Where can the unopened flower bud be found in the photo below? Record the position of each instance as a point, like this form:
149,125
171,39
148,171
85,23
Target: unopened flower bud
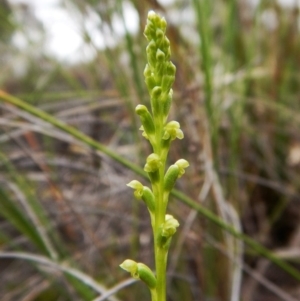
170,178
171,69
147,71
146,275
146,119
159,35
160,56
167,82
167,103
149,199
163,24
149,78
151,53
152,16
156,92
153,163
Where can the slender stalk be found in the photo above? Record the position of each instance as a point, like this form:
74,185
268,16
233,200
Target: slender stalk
160,256
161,265
154,295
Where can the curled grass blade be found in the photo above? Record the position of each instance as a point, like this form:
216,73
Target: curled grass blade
16,217
34,211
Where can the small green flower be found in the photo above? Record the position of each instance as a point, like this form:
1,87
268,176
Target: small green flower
138,188
131,267
182,164
173,131
166,231
153,163
170,226
139,271
144,193
149,78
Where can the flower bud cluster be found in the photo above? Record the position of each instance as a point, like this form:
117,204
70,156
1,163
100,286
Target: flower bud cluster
160,71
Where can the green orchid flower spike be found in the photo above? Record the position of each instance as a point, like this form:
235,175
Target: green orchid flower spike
159,77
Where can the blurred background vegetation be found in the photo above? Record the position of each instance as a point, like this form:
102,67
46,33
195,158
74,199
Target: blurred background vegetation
67,219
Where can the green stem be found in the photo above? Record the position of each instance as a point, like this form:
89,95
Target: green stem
153,295
160,254
161,266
